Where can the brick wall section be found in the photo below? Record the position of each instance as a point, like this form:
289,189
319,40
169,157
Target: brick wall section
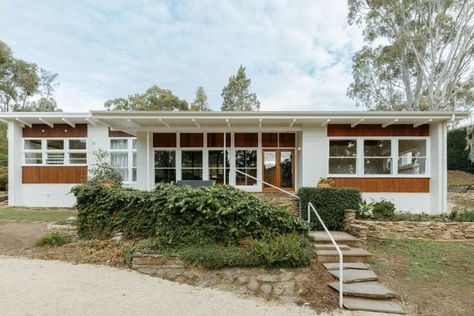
405,229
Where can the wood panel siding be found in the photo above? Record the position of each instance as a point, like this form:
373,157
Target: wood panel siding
246,139
377,130
54,174
217,140
164,140
191,140
420,185
58,130
287,139
270,140
119,134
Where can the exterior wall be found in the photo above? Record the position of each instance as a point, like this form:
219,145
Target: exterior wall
314,153
407,202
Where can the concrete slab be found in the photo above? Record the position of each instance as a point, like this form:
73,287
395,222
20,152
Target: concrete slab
346,265
338,236
354,275
330,247
368,305
365,289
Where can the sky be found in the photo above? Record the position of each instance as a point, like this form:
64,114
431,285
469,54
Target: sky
298,54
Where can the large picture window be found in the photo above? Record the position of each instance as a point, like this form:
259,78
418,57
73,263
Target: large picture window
411,156
246,162
377,156
165,166
191,165
342,156
216,166
55,151
123,156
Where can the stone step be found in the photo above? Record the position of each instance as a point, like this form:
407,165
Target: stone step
366,290
354,275
346,265
351,255
340,238
368,305
330,247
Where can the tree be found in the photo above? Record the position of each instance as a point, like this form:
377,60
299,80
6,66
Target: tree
154,99
237,95
425,59
200,101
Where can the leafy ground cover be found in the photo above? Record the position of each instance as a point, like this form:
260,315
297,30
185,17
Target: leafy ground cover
33,214
52,240
435,277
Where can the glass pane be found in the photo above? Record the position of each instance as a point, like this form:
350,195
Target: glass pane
134,143
134,174
119,160
377,148
33,144
55,159
77,158
342,165
246,158
134,161
33,158
165,175
218,175
412,166
77,144
118,144
241,179
408,148
190,159
286,169
124,173
216,159
269,165
191,174
55,144
377,165
165,159
342,148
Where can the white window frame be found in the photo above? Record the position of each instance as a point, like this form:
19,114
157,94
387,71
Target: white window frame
258,150
130,151
173,149
227,168
394,149
345,157
204,165
44,151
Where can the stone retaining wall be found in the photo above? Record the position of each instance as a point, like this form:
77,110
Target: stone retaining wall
406,229
280,199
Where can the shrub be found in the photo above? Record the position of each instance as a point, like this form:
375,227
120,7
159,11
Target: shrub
330,203
459,214
53,239
458,156
383,209
103,170
3,180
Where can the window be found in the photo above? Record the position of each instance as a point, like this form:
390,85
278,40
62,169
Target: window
77,151
33,151
216,166
411,156
165,166
123,156
377,156
246,162
55,151
342,156
191,165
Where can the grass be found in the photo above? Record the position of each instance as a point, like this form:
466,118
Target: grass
460,178
53,239
44,214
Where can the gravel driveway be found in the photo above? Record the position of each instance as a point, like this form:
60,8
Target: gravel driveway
37,287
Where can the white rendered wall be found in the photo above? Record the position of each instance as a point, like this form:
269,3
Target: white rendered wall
14,163
406,202
45,195
314,154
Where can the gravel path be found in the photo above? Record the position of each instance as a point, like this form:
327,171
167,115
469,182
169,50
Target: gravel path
37,287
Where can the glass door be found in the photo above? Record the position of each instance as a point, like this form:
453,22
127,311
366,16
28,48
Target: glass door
278,169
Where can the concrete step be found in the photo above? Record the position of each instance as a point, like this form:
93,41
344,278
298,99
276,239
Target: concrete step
322,237
368,305
354,275
351,255
330,247
365,289
346,265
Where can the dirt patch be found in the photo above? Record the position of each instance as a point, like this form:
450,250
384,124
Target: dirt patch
16,236
460,177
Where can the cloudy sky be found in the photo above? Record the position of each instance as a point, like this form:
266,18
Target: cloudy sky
297,53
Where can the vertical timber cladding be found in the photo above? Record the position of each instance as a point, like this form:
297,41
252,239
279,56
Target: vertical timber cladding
58,130
381,184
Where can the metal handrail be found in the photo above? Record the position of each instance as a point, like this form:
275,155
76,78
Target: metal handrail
339,252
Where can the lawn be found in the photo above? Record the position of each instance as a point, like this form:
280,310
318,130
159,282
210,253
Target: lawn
422,270
29,214
460,178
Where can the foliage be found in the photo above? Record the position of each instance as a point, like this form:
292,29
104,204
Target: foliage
458,156
200,102
102,170
418,55
326,181
3,180
237,95
53,239
179,216
459,214
383,209
330,203
365,209
286,251
154,99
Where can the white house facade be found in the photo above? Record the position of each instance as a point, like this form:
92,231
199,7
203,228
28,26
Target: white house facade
396,156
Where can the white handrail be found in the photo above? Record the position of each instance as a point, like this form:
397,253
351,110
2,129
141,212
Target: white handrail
266,183
339,252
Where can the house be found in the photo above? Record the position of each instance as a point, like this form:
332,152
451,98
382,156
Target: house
397,156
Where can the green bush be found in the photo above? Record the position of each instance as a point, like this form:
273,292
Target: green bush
458,156
273,252
179,216
383,209
3,180
53,239
330,203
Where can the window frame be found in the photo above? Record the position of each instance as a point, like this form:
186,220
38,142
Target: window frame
394,156
45,151
356,157
257,150
226,167
203,161
175,168
130,151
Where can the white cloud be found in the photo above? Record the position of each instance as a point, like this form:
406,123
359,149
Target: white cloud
297,53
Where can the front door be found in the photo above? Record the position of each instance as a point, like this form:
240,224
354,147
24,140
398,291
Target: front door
278,169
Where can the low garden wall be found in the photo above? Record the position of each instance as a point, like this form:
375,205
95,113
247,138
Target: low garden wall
405,229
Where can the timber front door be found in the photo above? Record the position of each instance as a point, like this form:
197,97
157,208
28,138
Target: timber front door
278,169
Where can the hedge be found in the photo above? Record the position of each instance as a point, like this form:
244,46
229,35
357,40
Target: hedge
3,180
458,156
179,216
330,204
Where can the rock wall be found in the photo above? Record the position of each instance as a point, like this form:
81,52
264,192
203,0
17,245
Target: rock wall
280,199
